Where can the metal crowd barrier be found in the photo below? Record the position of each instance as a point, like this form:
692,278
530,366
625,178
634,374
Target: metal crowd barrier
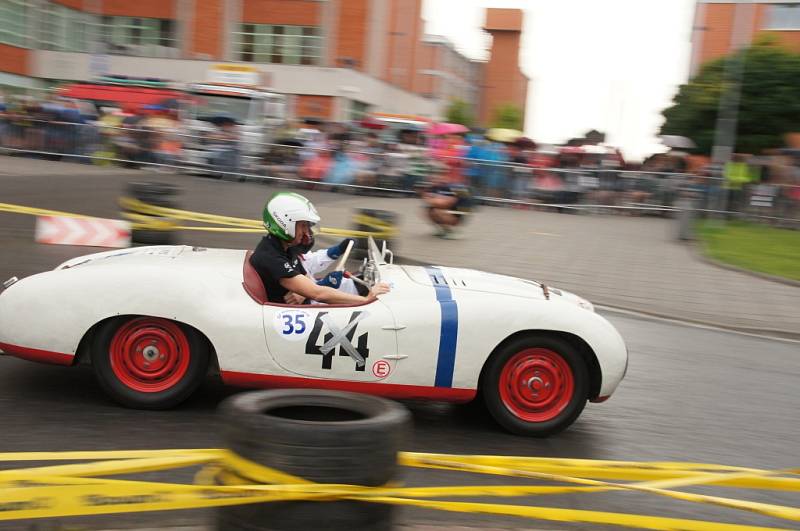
400,172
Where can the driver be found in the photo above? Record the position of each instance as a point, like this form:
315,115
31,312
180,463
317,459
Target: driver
289,218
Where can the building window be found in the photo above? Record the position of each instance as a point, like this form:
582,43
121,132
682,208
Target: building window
13,22
281,44
144,37
783,17
70,30
65,29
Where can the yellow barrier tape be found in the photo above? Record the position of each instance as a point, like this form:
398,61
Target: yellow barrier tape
148,496
762,508
577,515
139,209
19,209
150,217
67,490
611,470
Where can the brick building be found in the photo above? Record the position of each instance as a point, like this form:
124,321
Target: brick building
722,26
336,58
504,82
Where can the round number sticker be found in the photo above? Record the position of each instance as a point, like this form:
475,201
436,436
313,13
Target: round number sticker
293,325
381,369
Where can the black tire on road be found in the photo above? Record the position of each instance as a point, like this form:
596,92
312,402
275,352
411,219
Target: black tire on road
536,385
321,436
149,362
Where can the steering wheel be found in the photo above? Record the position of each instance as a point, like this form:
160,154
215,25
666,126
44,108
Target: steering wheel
339,266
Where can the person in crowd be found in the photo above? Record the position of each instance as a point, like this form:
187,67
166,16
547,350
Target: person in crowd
477,168
290,219
417,160
226,151
343,166
520,171
166,127
451,153
496,169
737,173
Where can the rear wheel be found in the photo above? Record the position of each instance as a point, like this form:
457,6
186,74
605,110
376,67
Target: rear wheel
536,385
149,362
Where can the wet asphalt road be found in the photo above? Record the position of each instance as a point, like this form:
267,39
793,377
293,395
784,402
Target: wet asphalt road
690,395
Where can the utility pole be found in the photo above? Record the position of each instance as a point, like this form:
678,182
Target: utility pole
728,111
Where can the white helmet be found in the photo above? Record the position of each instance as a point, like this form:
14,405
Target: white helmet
284,210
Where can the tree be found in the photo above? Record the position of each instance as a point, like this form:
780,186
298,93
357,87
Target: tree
507,116
459,112
769,105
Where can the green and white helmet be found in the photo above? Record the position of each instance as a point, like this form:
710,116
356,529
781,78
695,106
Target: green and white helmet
284,210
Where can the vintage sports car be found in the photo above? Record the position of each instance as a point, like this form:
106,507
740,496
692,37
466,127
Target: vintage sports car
154,321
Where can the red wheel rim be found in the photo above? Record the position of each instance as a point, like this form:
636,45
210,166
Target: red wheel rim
536,384
149,354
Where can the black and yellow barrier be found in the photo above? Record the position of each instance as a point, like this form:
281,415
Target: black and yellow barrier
144,216
87,487
152,217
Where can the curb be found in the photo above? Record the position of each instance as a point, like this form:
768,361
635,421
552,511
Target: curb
778,333
770,333
699,254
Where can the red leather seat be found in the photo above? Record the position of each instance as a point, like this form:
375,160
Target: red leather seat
252,281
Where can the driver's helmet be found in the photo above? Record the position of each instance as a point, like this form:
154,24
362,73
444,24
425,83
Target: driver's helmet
284,210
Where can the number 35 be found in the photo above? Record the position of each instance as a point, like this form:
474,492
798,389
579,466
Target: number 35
293,324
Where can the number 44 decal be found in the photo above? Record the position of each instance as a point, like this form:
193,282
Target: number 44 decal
338,337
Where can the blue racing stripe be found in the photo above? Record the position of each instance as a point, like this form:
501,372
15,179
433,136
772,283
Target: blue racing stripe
448,333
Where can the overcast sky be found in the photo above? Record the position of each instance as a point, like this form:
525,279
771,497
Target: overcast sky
610,65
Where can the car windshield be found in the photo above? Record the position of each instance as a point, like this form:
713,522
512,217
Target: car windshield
215,105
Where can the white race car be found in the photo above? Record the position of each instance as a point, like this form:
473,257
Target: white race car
153,321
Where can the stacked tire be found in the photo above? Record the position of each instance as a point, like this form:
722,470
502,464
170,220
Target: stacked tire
159,195
320,436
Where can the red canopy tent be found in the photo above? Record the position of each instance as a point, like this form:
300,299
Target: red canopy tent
121,95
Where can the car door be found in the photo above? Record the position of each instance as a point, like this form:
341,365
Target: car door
355,343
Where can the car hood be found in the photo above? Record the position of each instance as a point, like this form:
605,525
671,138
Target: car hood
460,279
227,262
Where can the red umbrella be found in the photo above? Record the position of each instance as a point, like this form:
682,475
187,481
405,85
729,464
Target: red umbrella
444,128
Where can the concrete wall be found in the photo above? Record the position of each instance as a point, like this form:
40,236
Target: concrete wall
343,83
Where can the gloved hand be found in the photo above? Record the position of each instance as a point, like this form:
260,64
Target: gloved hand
332,279
337,250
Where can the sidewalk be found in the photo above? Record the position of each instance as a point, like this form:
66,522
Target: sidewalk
632,263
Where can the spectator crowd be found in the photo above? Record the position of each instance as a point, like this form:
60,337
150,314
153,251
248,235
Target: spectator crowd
402,157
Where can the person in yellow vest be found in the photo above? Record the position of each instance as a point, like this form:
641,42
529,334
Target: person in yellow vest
737,174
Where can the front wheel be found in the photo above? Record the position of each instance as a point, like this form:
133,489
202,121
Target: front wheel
536,385
149,362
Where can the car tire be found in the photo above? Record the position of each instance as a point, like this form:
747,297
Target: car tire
321,436
149,362
536,385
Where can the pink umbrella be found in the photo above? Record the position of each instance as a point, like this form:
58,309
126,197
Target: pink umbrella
444,128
